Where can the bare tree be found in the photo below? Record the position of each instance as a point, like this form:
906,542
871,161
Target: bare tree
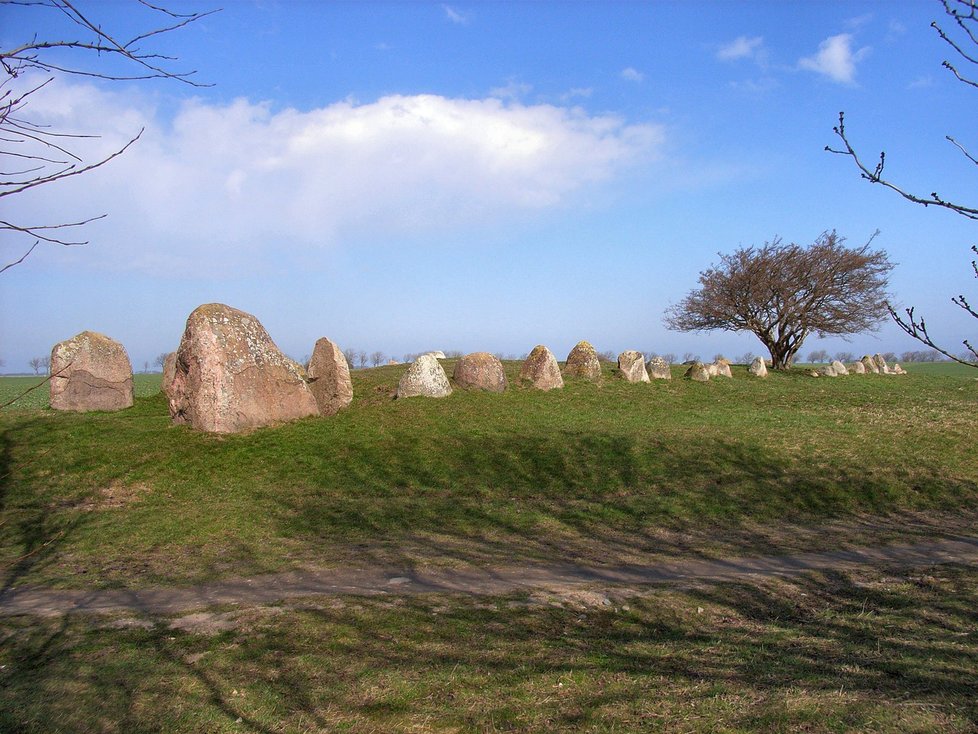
362,359
35,364
844,356
46,364
670,358
351,357
38,155
746,358
378,358
818,356
782,293
161,359
961,36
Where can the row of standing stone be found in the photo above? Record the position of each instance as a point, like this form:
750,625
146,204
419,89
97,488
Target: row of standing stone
228,376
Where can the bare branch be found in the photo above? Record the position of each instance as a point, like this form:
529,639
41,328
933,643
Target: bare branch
18,262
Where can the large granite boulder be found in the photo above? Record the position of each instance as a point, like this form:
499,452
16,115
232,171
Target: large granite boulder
840,369
540,369
631,366
881,364
758,368
169,373
230,376
480,371
329,380
827,370
424,378
658,369
857,368
91,372
698,372
583,362
870,364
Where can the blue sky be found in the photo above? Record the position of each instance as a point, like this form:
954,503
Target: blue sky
488,176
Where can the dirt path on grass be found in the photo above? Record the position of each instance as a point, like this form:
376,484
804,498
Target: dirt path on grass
474,581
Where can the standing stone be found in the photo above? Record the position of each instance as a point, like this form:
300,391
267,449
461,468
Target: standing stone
91,372
169,373
698,372
329,378
840,369
631,364
583,362
231,377
721,368
541,370
870,365
480,371
758,367
425,378
857,368
658,369
881,364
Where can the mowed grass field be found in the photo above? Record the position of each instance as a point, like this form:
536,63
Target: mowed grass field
596,474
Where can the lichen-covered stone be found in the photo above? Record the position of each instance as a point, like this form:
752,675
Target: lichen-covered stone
424,378
721,368
857,368
480,371
758,368
169,373
697,372
540,369
827,370
583,362
897,370
881,364
329,377
91,372
631,366
840,369
231,377
658,369
870,365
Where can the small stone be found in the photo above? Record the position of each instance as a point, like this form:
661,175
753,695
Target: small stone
697,372
583,362
758,368
541,369
424,378
658,369
631,366
90,372
480,371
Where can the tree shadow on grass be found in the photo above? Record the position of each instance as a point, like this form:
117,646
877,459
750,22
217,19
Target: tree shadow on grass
597,496
846,654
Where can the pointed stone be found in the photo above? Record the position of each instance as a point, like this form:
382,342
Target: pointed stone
758,368
870,364
583,362
697,372
424,378
540,370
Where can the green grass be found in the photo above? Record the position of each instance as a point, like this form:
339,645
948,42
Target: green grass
593,473
891,651
605,472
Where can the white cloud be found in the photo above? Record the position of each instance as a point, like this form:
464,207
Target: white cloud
513,90
632,74
455,16
229,185
835,59
741,47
